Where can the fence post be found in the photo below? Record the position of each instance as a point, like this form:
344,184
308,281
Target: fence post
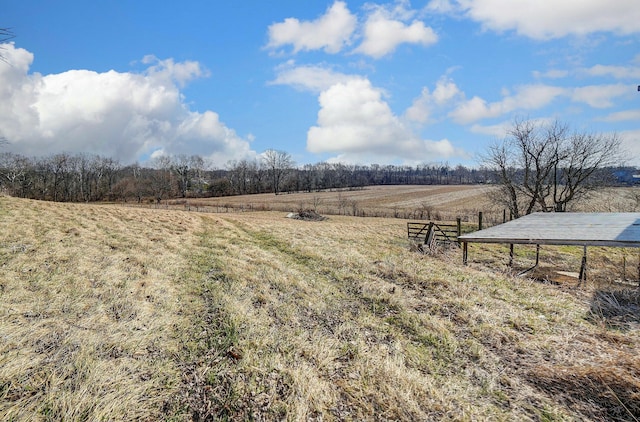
430,233
504,216
458,229
480,220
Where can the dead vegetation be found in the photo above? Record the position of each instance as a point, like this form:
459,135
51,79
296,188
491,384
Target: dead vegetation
306,215
115,313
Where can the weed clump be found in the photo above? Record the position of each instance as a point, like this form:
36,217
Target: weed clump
602,389
306,215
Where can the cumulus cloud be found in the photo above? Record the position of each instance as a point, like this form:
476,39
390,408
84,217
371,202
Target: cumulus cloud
544,20
384,28
331,31
527,97
168,70
356,123
308,78
126,116
534,97
384,31
422,108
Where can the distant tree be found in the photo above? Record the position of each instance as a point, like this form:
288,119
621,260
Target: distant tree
277,163
239,175
197,182
162,183
14,172
545,167
181,166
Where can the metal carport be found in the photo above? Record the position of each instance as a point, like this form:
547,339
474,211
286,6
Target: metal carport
580,229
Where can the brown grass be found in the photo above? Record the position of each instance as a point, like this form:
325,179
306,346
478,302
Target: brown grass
117,313
417,202
425,202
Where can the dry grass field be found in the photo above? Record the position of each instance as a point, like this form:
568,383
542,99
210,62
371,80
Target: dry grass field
116,313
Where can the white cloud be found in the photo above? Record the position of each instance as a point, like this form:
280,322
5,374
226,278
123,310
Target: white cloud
125,116
354,121
618,72
497,131
441,6
546,19
331,31
423,107
527,97
551,74
168,70
308,78
384,29
631,146
599,96
621,116
383,32
534,97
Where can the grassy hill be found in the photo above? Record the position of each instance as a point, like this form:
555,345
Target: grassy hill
111,313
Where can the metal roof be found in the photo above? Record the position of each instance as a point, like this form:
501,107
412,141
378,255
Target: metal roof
585,229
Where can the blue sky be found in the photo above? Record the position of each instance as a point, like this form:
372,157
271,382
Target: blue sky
351,81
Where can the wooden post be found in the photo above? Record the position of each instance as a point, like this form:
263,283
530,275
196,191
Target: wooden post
504,216
458,229
464,253
480,220
511,254
429,237
583,267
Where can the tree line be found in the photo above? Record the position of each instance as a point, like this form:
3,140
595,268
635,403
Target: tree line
87,178
538,167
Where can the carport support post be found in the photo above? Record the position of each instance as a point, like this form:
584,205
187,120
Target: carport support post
583,266
511,254
464,253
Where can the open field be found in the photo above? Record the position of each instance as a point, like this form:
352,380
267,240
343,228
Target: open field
112,313
437,202
433,201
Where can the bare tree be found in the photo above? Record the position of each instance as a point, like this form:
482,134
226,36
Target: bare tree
198,181
277,163
14,172
5,35
162,183
181,166
544,167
